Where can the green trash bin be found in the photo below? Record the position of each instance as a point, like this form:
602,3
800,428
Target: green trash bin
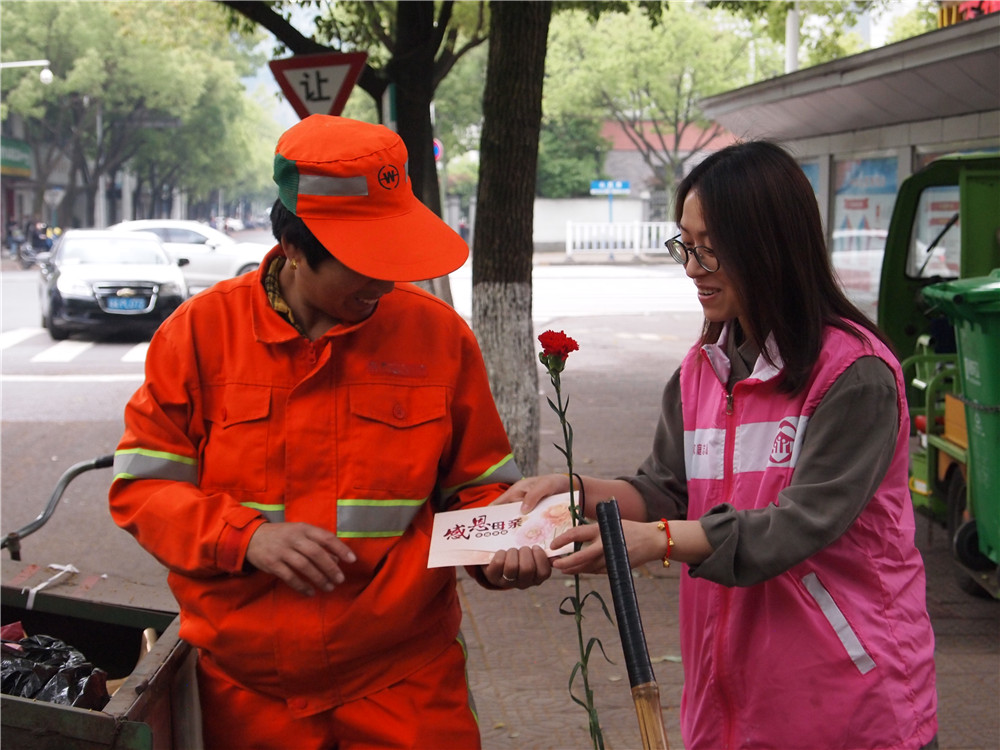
973,307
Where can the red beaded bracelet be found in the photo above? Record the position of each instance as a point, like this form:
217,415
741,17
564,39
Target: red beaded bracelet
663,525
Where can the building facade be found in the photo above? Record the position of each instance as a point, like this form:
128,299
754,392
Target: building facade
862,124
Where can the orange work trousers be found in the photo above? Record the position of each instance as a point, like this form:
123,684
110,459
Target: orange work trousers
428,710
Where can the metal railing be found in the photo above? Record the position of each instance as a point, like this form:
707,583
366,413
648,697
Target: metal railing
624,240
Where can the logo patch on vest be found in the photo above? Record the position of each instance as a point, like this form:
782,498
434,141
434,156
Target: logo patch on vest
784,442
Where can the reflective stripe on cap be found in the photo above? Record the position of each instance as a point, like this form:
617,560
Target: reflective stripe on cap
314,184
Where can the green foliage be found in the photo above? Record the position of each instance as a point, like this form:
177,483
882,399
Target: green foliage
570,154
351,25
652,9
360,106
462,176
831,47
459,74
824,24
161,78
371,25
458,104
413,47
919,20
649,79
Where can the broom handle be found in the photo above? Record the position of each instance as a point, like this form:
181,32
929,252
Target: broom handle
645,692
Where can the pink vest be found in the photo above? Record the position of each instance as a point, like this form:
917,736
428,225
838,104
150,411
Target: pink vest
836,652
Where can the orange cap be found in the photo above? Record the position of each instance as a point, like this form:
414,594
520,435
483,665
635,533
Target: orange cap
348,181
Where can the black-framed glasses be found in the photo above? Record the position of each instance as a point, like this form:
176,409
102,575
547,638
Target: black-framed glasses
704,255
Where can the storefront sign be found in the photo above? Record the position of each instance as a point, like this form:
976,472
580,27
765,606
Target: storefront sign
16,160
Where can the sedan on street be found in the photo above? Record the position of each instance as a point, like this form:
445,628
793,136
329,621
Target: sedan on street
97,281
212,255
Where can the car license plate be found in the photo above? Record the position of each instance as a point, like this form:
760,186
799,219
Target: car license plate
126,303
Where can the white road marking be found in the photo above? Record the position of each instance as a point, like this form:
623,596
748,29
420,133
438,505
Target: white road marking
63,351
137,353
17,335
123,378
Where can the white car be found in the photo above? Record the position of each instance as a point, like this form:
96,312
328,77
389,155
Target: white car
857,260
857,255
212,255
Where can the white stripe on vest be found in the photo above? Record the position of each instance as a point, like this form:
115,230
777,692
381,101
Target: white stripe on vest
845,633
758,446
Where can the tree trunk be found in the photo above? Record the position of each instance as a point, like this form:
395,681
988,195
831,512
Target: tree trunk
70,218
503,249
411,70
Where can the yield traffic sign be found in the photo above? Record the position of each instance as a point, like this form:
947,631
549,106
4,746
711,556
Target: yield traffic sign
318,84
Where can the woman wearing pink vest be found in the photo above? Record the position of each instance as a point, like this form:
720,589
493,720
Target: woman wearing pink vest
778,478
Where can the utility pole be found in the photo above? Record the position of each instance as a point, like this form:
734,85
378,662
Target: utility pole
792,38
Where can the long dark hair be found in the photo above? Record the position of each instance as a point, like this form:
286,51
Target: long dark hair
764,224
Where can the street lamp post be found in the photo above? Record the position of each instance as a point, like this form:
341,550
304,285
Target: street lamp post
45,76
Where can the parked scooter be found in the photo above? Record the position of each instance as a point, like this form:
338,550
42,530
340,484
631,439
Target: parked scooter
39,240
27,254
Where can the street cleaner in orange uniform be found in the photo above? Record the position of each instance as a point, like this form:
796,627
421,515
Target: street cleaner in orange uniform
297,430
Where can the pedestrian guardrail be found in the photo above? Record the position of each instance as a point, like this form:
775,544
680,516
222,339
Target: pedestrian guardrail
622,240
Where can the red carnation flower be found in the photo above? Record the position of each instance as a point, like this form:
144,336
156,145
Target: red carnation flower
558,344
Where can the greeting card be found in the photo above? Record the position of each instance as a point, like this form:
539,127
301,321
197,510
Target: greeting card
471,536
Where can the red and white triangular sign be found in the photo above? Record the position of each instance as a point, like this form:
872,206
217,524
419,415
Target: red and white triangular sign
318,84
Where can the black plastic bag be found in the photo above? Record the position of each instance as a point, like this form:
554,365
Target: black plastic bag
47,669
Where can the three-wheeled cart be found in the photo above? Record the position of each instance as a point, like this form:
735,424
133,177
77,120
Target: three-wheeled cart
129,630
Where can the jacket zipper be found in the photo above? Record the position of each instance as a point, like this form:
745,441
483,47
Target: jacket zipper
722,631
730,447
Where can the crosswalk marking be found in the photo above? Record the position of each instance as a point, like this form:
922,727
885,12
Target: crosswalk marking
16,336
63,351
136,377
137,353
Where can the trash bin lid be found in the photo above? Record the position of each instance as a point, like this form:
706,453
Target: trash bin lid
966,298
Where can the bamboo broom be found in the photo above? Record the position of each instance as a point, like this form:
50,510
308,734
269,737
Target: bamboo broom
645,691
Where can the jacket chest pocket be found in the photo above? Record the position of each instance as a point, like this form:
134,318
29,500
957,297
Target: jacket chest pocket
234,457
398,435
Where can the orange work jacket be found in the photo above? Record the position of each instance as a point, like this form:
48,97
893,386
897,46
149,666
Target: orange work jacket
367,431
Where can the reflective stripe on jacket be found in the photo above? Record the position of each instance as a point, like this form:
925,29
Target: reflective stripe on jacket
838,650
367,431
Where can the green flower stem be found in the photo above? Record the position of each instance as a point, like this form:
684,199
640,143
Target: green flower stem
561,408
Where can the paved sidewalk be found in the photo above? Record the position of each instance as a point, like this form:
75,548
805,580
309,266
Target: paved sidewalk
522,650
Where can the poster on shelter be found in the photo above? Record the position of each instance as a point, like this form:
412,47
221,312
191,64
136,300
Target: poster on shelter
865,192
811,171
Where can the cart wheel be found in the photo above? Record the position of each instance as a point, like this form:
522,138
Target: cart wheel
965,544
964,537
